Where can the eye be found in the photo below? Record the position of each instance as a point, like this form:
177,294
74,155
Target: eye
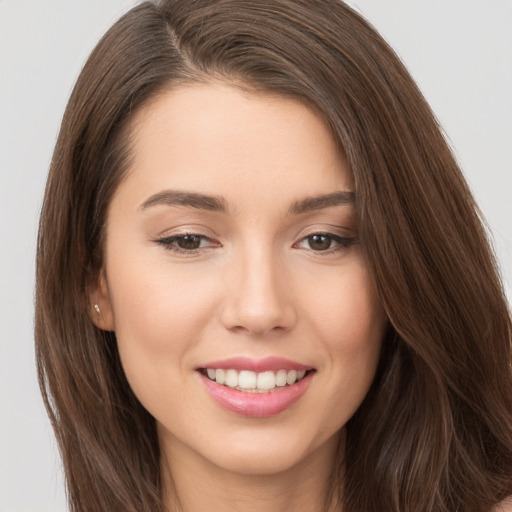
325,242
319,242
188,243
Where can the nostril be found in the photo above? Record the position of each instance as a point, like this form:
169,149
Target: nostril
258,322
257,301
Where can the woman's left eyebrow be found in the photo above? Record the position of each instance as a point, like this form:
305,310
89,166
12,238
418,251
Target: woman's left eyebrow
338,198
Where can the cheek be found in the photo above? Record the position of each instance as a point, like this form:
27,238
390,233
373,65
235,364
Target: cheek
348,312
351,323
359,336
154,303
159,314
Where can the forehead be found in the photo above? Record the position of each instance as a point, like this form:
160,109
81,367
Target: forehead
218,139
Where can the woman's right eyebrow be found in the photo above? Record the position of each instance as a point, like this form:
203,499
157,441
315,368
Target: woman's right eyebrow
191,199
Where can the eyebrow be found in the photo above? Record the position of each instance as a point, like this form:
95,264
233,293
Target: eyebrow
320,202
194,200
218,203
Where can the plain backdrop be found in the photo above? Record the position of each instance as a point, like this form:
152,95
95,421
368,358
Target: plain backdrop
460,53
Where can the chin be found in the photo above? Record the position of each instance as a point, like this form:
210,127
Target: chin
267,453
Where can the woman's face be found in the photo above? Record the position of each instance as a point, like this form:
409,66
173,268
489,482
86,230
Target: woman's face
232,254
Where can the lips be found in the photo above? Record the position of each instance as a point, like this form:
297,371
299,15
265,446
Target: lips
256,365
255,388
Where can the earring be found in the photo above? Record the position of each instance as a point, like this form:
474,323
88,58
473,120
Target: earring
97,308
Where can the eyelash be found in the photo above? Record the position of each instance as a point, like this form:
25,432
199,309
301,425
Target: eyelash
341,242
170,243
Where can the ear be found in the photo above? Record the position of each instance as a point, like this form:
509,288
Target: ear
101,311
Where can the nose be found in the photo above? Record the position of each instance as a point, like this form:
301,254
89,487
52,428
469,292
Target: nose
258,296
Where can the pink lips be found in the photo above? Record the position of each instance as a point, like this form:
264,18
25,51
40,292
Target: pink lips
256,365
256,405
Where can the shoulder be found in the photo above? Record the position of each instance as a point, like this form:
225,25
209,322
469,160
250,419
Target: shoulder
504,506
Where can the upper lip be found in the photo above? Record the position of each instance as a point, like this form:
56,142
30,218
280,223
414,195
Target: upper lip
271,363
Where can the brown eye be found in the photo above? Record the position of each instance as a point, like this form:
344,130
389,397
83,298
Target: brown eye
188,242
325,243
319,242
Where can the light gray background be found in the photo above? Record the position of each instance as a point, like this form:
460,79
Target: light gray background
459,51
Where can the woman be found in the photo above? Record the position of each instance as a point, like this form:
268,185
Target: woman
262,281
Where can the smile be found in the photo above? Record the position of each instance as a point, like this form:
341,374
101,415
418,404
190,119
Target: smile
254,382
256,388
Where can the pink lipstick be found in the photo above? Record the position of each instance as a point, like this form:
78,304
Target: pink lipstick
256,365
255,388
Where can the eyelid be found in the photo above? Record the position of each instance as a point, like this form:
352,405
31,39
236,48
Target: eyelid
342,242
327,229
167,241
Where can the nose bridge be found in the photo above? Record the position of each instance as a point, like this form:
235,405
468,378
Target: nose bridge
258,300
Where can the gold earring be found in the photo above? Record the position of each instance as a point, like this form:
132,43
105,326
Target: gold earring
97,308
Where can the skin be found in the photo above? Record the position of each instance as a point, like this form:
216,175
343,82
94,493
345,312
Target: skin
258,285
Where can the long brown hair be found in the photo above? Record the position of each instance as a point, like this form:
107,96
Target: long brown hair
435,431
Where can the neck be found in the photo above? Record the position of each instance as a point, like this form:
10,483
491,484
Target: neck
312,485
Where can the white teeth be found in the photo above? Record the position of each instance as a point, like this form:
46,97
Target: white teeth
247,379
291,377
266,380
231,378
253,382
220,376
281,378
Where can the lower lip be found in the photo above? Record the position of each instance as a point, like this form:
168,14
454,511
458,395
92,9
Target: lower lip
256,405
